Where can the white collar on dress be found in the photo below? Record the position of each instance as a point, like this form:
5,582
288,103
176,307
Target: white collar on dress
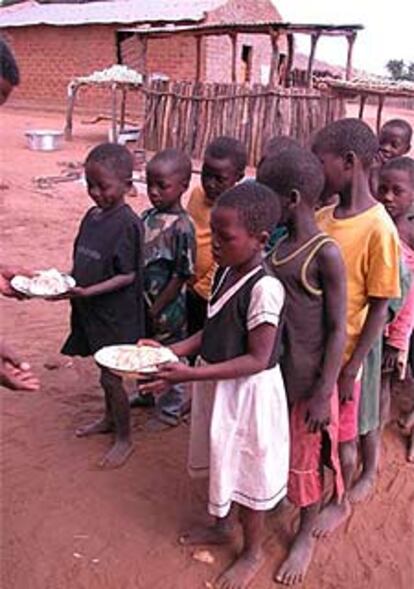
214,308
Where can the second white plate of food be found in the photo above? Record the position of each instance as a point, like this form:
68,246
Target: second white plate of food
134,361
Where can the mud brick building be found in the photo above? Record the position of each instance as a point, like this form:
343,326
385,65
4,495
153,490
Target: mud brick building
57,41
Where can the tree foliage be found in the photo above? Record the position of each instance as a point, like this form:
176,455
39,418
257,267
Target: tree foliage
399,70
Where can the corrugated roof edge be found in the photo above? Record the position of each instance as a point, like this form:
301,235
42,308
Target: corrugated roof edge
122,12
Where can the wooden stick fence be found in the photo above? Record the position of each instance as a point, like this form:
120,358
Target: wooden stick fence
188,115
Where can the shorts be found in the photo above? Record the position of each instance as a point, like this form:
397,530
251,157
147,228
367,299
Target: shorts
309,452
348,416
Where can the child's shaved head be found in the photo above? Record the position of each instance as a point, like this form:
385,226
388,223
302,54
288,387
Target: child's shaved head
277,145
115,158
293,169
178,160
346,136
400,124
404,164
228,148
257,206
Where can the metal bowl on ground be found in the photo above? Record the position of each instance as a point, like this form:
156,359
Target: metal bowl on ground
44,139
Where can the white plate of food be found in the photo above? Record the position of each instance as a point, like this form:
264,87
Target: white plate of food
132,361
44,283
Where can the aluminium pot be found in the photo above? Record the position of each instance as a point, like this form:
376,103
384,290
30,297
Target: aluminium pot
44,139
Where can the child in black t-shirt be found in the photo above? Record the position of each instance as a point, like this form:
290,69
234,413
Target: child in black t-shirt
107,301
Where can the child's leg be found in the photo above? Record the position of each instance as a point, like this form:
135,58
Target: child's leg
337,511
221,532
385,399
173,405
294,568
410,453
240,574
407,425
117,401
370,453
104,425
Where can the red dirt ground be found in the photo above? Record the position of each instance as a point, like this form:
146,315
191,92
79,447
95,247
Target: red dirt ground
65,524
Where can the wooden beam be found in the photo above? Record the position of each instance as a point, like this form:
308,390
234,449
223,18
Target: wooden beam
290,57
123,107
351,41
198,62
381,100
233,38
314,41
142,58
274,63
114,114
362,101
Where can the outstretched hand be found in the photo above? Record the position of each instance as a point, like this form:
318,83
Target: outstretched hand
175,372
6,274
71,293
15,374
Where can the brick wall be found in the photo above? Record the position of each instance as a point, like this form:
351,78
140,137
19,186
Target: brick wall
49,57
219,51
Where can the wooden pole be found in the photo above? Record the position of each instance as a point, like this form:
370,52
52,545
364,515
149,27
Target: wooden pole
233,38
123,107
114,114
143,42
72,89
362,101
351,41
198,63
314,41
274,71
290,57
381,100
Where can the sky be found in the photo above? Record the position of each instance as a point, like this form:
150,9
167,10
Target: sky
388,32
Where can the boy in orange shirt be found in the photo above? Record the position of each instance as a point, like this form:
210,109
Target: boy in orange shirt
370,247
224,163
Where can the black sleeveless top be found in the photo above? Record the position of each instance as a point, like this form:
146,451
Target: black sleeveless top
305,332
225,333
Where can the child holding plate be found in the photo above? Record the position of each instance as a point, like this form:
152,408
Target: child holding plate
239,420
107,301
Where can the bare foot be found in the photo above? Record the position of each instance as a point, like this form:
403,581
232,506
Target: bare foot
362,489
117,455
241,573
294,568
332,516
102,426
410,453
217,534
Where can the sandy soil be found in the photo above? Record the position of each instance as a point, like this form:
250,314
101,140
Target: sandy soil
66,524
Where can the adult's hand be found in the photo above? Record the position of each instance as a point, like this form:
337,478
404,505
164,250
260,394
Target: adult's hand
14,373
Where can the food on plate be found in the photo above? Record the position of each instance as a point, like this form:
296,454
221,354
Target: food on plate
45,283
134,359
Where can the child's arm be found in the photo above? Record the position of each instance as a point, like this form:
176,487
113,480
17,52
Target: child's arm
189,347
183,245
373,326
260,346
169,294
112,284
332,274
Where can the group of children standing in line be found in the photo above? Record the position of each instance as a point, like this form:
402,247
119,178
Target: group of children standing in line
282,294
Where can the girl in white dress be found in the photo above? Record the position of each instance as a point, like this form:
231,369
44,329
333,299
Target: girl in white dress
239,427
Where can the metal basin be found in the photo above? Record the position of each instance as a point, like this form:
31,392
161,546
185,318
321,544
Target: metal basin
44,139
